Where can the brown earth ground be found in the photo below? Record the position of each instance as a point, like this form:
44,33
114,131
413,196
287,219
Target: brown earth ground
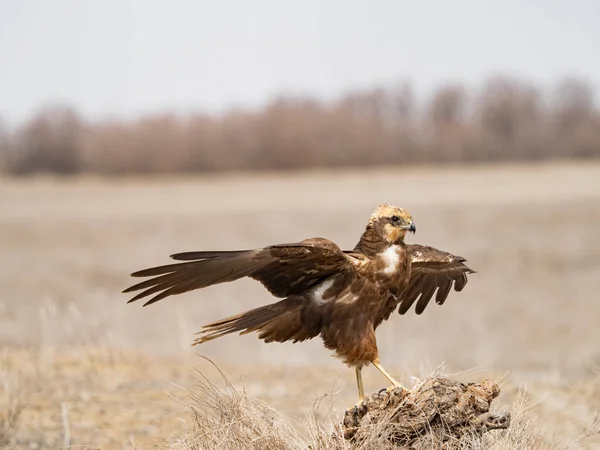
92,371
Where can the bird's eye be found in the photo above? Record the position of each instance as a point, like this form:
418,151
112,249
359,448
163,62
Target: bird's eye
395,219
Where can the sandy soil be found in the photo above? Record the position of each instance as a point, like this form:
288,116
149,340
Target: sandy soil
532,312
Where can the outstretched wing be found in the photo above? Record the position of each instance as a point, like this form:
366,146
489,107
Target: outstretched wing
432,270
286,269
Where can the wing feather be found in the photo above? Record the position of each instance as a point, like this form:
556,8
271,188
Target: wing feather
443,290
411,293
284,270
432,270
460,282
426,295
194,256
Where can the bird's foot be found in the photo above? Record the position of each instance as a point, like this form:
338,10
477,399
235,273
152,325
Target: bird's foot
357,409
353,416
394,388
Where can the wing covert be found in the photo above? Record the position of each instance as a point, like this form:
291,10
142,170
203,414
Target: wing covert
298,267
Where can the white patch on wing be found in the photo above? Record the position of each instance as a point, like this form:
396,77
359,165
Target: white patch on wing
320,289
391,257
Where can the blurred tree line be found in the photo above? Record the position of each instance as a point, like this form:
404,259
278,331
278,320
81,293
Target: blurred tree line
507,120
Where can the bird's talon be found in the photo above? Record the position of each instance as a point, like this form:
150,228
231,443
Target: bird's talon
391,389
356,409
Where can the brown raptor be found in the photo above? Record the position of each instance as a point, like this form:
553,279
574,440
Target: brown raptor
342,296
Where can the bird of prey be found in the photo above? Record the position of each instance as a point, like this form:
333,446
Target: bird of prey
342,296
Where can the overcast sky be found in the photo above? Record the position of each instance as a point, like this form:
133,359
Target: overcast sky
124,57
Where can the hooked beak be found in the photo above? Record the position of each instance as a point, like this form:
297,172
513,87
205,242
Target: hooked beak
411,227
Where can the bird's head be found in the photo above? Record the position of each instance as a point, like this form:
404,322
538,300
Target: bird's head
391,223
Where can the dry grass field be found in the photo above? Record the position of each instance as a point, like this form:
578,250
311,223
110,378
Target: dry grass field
81,368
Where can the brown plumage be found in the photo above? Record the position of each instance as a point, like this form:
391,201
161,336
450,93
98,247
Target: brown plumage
343,296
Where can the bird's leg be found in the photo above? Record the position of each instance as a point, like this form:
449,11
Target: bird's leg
361,391
379,367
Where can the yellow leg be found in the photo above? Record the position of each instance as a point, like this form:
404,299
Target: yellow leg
361,391
386,374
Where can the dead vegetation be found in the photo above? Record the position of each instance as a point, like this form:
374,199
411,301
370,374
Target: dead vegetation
229,419
11,407
438,413
106,399
506,120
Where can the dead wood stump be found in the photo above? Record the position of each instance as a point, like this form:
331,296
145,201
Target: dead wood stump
438,413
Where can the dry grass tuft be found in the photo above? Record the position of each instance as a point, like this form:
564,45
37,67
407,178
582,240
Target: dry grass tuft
223,417
226,418
11,406
524,431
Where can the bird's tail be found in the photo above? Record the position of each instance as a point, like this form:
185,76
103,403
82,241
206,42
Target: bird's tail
278,322
243,323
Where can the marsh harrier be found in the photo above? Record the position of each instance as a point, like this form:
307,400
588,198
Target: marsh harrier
342,296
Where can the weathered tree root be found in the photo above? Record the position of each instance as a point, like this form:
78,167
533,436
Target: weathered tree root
439,413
